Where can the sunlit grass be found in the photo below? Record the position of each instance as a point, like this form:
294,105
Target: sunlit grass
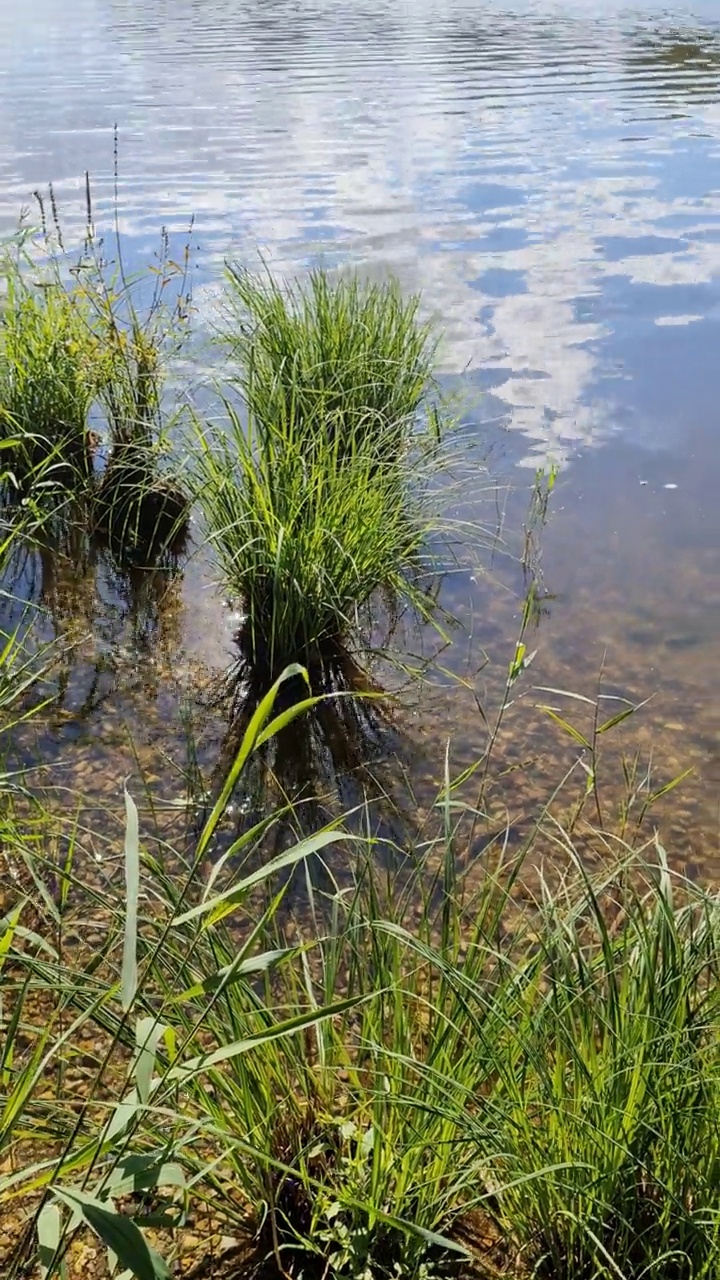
411,1067
84,353
341,355
388,1079
315,490
307,529
50,373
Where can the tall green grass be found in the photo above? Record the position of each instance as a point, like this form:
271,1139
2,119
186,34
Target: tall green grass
381,1083
307,530
602,1141
141,323
50,373
348,357
414,1064
83,340
315,490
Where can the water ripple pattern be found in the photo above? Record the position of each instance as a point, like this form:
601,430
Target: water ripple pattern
548,174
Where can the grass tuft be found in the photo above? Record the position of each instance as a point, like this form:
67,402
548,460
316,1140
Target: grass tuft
602,1137
348,357
369,1088
316,490
306,532
50,372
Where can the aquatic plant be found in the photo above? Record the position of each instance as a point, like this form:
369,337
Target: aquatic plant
140,512
50,373
307,528
337,354
315,489
80,340
140,321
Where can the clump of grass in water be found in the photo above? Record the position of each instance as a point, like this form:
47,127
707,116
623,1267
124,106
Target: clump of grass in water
307,529
139,507
347,356
50,373
76,341
315,493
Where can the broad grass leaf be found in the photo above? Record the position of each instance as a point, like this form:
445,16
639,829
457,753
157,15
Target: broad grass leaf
122,1117
132,892
196,1066
119,1233
240,968
617,719
148,1034
135,1173
568,728
247,746
8,925
49,1232
225,902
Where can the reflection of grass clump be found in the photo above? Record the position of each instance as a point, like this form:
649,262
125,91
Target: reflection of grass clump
316,498
347,356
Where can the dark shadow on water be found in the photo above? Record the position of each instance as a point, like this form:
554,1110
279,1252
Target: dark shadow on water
337,763
107,616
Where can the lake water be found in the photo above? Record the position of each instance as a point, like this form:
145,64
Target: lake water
549,176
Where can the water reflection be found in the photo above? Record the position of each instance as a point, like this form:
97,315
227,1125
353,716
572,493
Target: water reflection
108,622
688,56
549,175
489,158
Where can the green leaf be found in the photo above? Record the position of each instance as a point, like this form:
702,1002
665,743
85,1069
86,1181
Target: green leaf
123,1115
669,786
195,1066
517,663
119,1233
616,719
565,693
8,925
132,892
570,729
148,1034
286,717
49,1232
143,1173
225,902
240,968
247,746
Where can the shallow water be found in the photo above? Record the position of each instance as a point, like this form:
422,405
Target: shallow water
549,175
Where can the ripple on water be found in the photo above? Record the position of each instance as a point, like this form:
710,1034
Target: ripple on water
548,174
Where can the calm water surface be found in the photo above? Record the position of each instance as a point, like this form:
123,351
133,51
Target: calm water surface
549,176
